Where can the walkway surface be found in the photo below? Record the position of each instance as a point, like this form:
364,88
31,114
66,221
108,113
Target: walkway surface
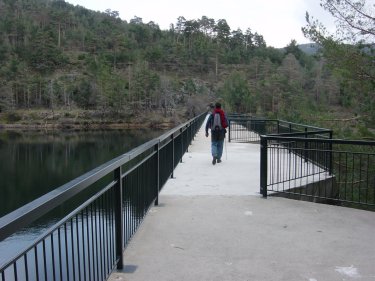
212,224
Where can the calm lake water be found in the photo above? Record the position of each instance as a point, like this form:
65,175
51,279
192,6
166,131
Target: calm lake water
34,163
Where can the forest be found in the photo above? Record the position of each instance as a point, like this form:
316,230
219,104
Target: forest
67,64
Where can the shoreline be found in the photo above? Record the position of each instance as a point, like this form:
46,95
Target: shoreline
23,120
92,126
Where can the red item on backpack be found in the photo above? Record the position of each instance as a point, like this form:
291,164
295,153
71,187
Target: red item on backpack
222,117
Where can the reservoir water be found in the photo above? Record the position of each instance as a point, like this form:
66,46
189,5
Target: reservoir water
34,163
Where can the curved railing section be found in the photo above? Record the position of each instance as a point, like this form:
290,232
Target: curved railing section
304,162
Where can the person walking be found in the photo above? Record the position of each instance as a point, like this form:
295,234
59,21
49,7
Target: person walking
217,122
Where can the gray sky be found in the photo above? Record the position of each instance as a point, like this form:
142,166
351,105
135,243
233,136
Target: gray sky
279,21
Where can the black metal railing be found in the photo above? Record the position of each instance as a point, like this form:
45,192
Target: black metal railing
87,244
322,170
304,162
250,128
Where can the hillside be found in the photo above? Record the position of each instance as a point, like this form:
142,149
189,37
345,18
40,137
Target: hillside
310,48
65,64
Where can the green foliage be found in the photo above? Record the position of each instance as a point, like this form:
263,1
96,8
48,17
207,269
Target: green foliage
347,54
83,94
53,54
364,132
44,56
236,93
12,117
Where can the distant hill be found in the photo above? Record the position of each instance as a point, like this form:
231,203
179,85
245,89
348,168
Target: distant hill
309,48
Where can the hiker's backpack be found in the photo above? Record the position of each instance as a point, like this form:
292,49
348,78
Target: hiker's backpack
217,130
216,125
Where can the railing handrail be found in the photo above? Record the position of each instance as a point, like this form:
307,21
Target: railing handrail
298,134
263,119
320,140
30,212
303,125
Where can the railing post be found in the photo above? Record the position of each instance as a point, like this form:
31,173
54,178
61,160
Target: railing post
119,218
306,146
263,166
192,129
182,144
173,152
187,139
157,171
229,121
330,154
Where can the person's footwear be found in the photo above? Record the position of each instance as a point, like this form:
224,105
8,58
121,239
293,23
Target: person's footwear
218,160
214,161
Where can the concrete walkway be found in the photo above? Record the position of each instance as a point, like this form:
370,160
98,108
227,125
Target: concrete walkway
205,229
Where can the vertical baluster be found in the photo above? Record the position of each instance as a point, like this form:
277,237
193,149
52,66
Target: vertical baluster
263,167
172,155
36,263
60,252
94,230
346,173
26,268
93,253
83,244
66,252
360,178
339,176
99,212
72,248
106,240
78,249
105,235
89,255
157,171
353,179
53,257
367,180
111,225
44,259
103,239
15,271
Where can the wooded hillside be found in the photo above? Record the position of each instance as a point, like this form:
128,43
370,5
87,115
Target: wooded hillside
59,57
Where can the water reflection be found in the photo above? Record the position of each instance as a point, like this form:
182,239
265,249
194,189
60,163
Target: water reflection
34,163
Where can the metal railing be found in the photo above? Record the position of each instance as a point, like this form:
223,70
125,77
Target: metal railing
88,243
249,128
321,170
304,162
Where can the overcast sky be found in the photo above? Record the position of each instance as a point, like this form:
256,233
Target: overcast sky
279,21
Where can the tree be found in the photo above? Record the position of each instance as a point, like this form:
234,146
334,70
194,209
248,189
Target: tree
207,26
237,93
292,72
249,39
347,49
259,41
222,31
355,19
44,55
292,48
350,51
180,27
